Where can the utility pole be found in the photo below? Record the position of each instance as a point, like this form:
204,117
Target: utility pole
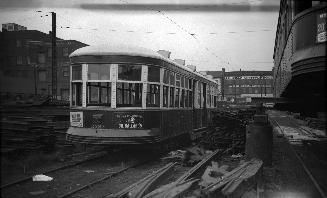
235,77
223,85
261,85
54,57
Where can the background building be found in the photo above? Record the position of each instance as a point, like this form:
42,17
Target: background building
25,62
240,85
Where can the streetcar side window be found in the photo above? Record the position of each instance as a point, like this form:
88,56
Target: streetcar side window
172,78
77,72
166,77
187,92
178,80
153,74
182,101
98,72
171,96
129,94
129,72
77,94
177,98
153,95
99,94
165,96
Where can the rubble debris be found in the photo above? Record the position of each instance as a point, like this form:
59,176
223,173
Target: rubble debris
230,181
171,190
237,155
41,178
89,171
188,157
145,185
175,156
39,192
212,173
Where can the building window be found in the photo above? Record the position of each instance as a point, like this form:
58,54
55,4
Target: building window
49,52
65,51
18,43
98,72
41,58
129,94
65,71
129,72
42,76
153,74
28,60
19,60
153,96
77,72
99,94
64,94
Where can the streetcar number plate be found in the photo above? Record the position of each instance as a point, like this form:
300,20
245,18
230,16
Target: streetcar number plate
76,119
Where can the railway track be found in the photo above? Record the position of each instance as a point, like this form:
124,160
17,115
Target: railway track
308,160
76,176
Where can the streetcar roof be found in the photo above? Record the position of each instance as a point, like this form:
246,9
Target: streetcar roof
106,50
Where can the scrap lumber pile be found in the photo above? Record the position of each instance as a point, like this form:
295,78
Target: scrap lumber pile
32,128
187,157
217,181
224,137
316,123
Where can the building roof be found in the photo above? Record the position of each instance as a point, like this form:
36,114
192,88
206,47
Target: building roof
219,74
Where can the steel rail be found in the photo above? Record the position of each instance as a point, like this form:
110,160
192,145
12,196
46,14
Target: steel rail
93,157
303,165
101,179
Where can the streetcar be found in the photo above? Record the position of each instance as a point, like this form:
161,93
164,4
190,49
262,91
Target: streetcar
123,95
300,56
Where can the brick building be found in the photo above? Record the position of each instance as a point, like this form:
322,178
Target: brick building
25,62
241,85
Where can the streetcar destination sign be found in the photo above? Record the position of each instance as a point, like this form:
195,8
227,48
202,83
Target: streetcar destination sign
76,119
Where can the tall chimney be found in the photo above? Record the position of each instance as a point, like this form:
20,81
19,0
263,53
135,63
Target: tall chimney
223,84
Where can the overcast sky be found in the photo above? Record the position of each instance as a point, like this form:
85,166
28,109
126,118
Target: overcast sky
234,34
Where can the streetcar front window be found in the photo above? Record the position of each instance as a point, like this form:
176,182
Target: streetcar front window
77,94
77,72
129,94
98,72
98,94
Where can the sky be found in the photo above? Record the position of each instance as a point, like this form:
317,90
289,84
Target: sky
210,34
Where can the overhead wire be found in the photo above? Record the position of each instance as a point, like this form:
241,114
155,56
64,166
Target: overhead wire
193,35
